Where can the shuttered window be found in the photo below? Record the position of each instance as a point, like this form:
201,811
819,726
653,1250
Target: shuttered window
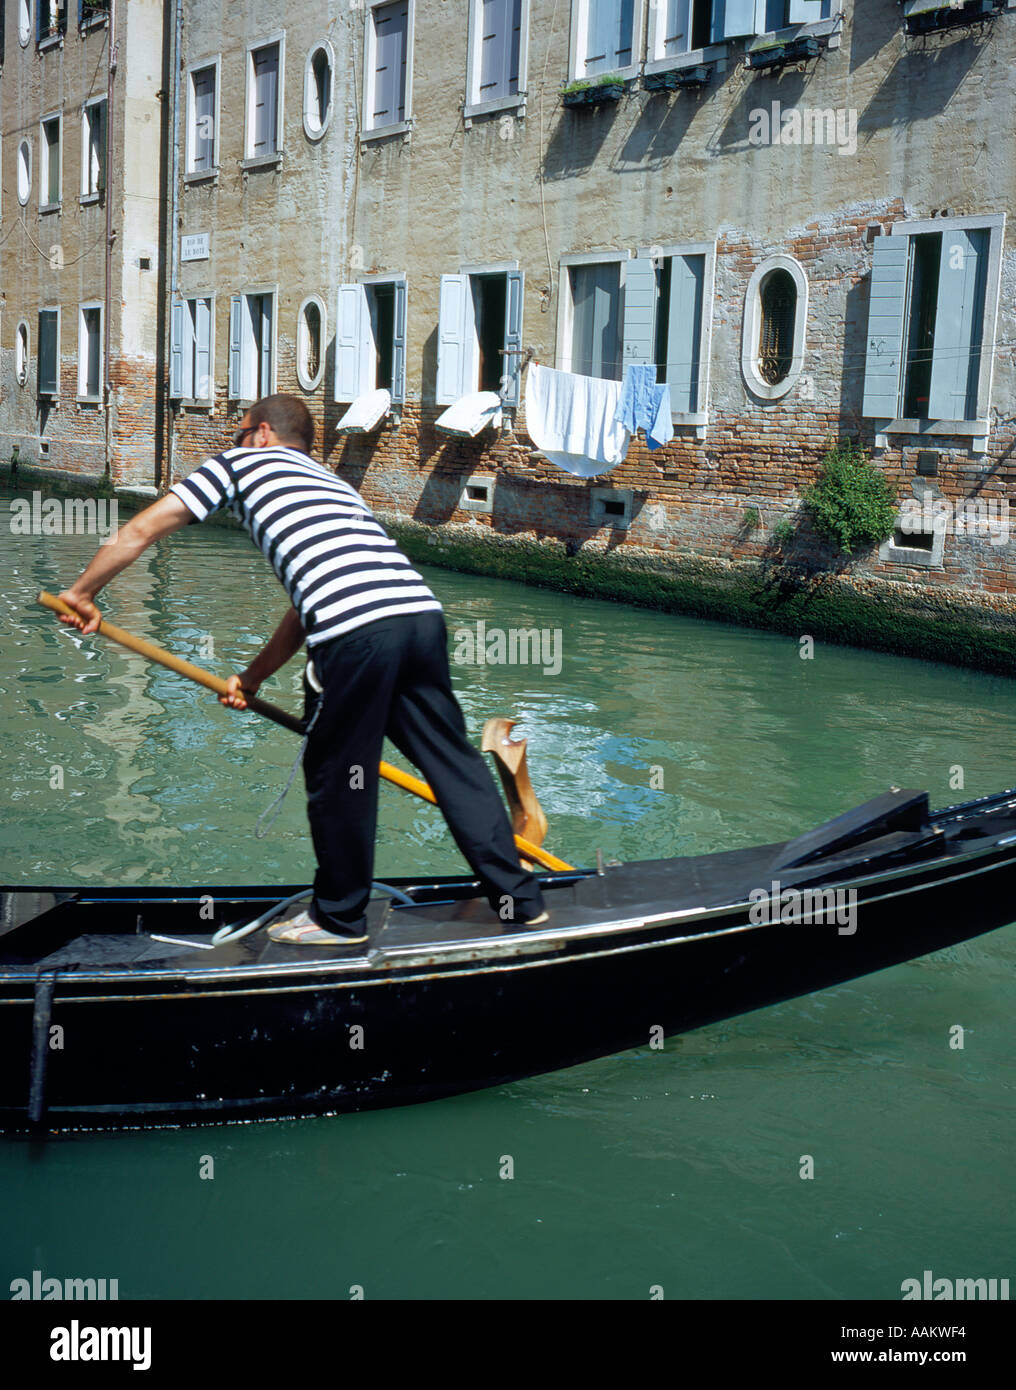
370,340
926,325
49,363
264,138
190,375
90,352
480,336
50,143
500,45
596,320
665,323
609,36
201,145
251,346
93,149
388,89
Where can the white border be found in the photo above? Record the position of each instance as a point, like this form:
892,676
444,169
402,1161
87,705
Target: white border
24,149
472,106
21,374
579,15
249,157
83,395
310,384
708,250
50,395
93,195
753,321
565,304
322,46
189,172
368,131
25,35
44,160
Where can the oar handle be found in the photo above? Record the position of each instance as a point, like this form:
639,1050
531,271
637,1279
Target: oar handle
176,663
278,716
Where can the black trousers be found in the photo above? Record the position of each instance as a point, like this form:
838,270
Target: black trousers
391,678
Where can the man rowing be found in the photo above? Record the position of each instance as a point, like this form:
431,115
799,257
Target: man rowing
378,664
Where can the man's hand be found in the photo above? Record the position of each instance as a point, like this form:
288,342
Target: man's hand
86,617
237,688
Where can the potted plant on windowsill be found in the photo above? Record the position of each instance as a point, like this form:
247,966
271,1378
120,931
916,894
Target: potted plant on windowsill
592,91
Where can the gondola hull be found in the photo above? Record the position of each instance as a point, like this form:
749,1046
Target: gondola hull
104,1025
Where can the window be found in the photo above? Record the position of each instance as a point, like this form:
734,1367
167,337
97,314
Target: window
388,81
667,321
317,91
604,36
592,309
370,339
24,172
24,21
496,56
775,314
93,149
251,346
479,346
310,338
21,353
49,352
264,101
90,352
92,11
202,155
677,27
50,180
931,322
190,350
51,20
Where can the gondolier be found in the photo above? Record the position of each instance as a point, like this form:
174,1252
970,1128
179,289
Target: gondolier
378,664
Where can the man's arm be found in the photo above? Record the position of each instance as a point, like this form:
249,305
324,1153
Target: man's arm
284,643
162,517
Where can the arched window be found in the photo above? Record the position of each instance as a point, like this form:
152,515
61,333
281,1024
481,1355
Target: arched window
24,172
21,353
775,314
778,295
310,339
317,91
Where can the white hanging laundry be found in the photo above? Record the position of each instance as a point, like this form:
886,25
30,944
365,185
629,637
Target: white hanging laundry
366,413
571,421
470,414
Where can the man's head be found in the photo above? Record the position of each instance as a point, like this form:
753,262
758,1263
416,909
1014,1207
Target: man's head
277,419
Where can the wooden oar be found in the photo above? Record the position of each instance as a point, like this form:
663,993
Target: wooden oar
278,716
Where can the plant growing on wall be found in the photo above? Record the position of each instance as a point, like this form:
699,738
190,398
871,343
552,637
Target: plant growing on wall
850,504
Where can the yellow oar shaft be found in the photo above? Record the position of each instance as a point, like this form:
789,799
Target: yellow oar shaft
278,716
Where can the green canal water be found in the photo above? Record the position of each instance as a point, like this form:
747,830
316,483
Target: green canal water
674,1169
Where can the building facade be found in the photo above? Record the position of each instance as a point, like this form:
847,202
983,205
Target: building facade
798,210
81,128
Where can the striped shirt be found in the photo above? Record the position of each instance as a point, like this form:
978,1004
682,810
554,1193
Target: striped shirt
339,567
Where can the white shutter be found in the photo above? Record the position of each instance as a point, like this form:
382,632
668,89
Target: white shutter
886,306
456,340
202,385
352,344
511,380
236,347
639,311
399,344
804,11
176,341
684,332
735,19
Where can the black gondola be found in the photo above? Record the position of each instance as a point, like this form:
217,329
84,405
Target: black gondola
105,1025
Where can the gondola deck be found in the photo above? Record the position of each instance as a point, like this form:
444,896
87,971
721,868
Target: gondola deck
446,997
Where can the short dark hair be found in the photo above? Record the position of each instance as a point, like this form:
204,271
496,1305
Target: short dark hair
288,417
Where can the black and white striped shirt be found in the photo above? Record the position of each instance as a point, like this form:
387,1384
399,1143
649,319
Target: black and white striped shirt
339,567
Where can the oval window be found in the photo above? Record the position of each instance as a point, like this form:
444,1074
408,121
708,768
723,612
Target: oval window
778,295
21,353
317,92
24,171
310,332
